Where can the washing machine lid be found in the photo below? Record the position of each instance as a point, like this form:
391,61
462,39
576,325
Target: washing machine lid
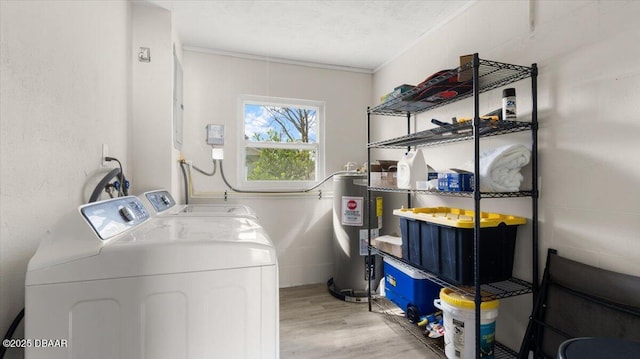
158,246
203,210
160,202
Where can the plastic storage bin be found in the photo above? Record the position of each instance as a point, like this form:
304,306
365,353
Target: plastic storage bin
409,289
440,240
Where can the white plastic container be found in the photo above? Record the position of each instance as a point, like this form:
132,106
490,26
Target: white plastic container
411,168
458,316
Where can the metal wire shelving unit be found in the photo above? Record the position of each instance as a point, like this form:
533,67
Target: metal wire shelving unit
484,75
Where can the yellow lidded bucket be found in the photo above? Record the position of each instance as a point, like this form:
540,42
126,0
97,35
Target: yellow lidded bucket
458,316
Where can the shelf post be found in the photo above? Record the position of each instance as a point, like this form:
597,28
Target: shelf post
476,198
534,179
368,206
409,149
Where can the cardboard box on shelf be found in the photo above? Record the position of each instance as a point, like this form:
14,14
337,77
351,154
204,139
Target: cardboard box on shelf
465,74
390,179
388,244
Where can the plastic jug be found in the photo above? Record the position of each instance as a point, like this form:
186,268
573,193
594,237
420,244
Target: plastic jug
411,168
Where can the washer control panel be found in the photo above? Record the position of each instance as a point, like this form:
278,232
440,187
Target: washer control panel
112,217
160,200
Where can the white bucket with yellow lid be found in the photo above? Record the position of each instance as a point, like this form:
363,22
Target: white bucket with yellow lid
458,316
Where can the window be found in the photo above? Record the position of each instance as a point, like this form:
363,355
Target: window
282,144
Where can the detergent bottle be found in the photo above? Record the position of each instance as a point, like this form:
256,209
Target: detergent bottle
411,168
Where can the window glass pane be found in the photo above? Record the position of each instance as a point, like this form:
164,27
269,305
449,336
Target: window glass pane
278,164
269,123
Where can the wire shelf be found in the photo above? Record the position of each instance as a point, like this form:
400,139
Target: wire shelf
397,316
436,346
455,194
501,351
491,75
509,288
452,133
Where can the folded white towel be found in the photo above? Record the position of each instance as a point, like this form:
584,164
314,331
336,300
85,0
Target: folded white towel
500,168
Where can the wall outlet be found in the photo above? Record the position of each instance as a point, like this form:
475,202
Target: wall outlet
105,153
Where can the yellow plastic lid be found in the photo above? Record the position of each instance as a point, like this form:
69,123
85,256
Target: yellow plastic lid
457,217
456,299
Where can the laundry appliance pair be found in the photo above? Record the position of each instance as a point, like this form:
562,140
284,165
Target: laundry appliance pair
125,279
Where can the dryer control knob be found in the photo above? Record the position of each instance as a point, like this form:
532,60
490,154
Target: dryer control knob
127,214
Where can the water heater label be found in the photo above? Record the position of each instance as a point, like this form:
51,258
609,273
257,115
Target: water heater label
364,240
352,211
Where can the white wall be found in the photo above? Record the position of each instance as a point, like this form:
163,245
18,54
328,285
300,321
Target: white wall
65,90
300,227
589,124
154,159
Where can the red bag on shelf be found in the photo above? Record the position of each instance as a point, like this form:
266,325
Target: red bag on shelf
442,85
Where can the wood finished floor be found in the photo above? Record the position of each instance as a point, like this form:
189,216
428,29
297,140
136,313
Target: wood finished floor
314,324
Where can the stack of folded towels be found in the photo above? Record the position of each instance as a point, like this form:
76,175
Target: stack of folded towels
500,168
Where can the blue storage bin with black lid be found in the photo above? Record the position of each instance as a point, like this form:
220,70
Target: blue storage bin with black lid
440,241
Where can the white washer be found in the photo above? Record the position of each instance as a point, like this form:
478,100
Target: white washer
160,202
115,283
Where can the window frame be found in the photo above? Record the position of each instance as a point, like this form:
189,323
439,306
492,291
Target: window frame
243,144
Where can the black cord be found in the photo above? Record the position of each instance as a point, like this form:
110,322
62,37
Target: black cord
97,191
123,190
11,330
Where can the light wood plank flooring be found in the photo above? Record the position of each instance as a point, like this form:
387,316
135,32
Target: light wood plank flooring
314,324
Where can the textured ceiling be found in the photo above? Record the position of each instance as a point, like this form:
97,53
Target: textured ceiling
348,33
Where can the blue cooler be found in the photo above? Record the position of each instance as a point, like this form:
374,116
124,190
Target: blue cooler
409,289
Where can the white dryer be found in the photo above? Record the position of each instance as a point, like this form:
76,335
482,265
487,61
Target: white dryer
160,202
115,283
